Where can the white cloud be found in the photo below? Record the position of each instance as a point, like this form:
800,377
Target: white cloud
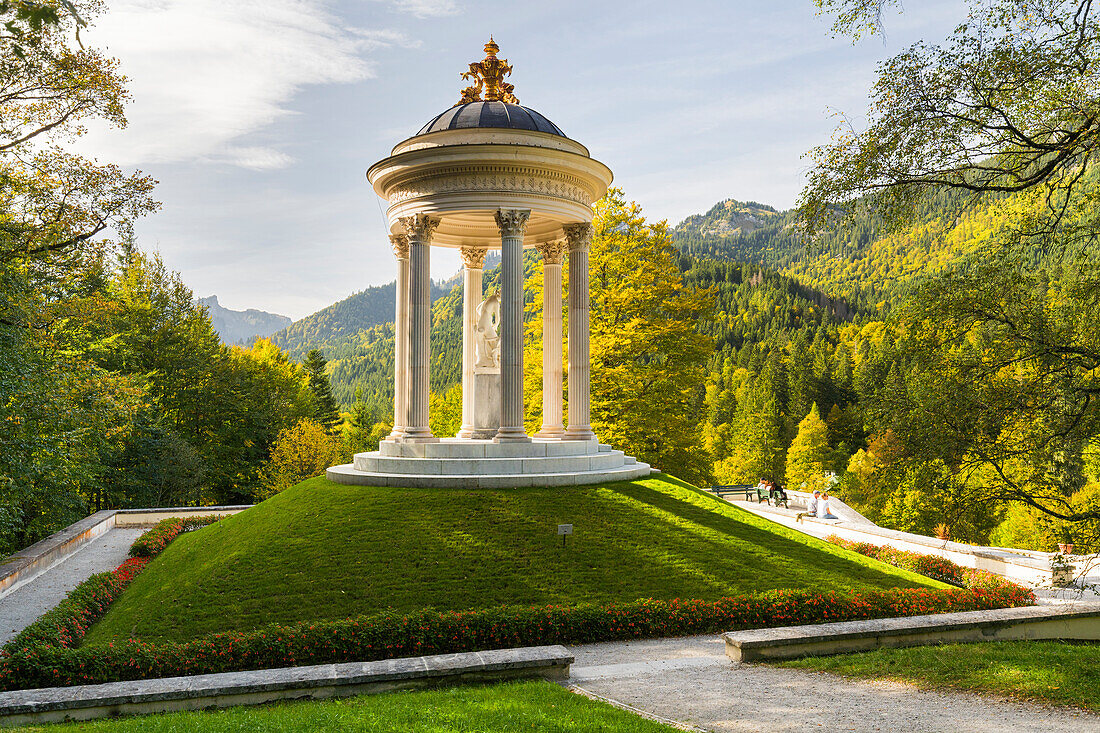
426,8
204,73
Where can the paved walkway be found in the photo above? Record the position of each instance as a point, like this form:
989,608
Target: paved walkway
690,680
26,603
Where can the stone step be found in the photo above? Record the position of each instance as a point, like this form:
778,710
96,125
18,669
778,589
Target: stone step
460,448
374,462
322,681
1071,622
347,474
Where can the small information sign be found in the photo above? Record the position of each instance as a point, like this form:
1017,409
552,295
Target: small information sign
564,529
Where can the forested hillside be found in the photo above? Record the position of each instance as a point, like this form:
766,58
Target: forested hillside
859,260
342,322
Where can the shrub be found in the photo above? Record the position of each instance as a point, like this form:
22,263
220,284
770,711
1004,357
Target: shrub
65,625
388,635
932,566
152,543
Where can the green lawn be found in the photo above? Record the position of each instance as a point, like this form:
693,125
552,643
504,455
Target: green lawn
1048,671
517,706
322,550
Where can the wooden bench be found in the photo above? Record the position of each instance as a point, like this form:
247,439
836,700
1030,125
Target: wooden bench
750,492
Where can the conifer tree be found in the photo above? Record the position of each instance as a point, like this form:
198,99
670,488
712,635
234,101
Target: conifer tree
325,411
756,441
809,452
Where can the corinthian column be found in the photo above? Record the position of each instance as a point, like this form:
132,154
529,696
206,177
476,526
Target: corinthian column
401,337
473,260
578,237
513,225
552,255
419,230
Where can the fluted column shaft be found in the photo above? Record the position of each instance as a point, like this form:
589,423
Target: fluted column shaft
473,261
578,237
513,226
552,255
419,230
401,337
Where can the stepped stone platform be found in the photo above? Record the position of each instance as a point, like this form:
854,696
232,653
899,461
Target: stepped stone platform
462,463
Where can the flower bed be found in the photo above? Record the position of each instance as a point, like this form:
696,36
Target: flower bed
48,653
387,635
932,566
153,542
65,625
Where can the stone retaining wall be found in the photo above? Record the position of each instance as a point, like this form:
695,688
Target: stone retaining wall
1071,622
87,702
30,562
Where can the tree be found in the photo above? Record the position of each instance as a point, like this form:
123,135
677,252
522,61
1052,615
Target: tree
325,411
809,452
1002,384
305,450
1000,350
63,418
1007,104
648,358
54,203
756,441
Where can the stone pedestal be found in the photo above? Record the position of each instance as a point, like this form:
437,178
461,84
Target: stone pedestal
486,406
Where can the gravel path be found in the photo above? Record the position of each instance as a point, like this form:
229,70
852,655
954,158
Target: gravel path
690,680
26,603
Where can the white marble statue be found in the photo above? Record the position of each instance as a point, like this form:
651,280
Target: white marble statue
487,343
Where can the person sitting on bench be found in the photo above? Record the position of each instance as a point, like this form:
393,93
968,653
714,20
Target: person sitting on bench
776,492
812,504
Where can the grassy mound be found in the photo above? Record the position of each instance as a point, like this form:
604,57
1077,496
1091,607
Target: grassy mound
322,550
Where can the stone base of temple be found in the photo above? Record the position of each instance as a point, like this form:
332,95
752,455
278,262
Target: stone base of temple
484,464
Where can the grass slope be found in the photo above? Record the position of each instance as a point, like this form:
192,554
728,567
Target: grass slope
504,708
323,550
1049,671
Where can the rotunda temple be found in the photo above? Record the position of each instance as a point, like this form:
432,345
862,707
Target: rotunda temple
488,174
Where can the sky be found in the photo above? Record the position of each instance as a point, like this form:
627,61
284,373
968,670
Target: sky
259,118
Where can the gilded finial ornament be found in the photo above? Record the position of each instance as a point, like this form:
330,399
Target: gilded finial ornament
488,77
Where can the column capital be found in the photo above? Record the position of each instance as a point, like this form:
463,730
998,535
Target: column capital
400,244
419,227
552,252
473,258
512,222
578,235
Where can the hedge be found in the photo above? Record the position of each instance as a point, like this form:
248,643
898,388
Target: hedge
47,653
387,635
153,542
932,566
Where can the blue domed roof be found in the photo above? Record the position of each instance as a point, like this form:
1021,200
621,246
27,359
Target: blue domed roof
490,114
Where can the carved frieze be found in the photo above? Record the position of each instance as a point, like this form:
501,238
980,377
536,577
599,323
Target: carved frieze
485,178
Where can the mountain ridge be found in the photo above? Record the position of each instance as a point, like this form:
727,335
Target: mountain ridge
239,327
